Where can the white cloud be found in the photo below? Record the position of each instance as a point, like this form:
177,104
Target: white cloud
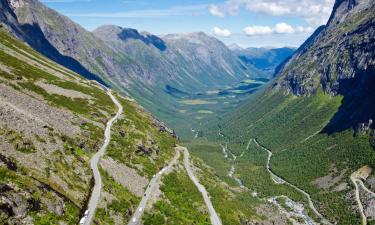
280,28
221,32
314,12
284,28
183,10
215,11
271,8
257,30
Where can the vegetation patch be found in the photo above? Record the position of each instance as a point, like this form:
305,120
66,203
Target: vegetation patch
182,203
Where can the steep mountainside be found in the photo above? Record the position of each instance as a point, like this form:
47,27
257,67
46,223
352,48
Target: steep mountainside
188,61
139,64
317,119
51,123
340,61
264,59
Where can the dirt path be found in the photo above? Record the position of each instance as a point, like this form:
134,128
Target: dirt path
215,220
95,195
280,180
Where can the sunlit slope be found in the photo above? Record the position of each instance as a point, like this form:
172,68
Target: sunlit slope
51,123
316,117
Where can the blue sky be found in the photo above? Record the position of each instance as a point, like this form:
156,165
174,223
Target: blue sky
247,23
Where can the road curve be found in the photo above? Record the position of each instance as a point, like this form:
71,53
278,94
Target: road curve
354,180
151,188
365,188
278,179
215,220
95,195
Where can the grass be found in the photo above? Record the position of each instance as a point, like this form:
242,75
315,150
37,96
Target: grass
137,129
289,126
232,206
124,200
182,203
26,74
41,215
69,217
250,169
55,178
17,139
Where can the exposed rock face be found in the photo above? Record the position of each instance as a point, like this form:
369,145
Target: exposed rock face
123,57
176,58
16,3
336,53
339,59
41,172
137,63
8,19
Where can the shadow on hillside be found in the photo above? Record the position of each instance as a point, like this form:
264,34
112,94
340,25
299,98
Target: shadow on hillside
36,39
358,104
148,39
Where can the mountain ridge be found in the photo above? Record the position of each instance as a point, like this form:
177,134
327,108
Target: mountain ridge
347,70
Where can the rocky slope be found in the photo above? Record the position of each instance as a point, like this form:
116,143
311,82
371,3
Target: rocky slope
51,122
49,126
339,59
189,61
139,64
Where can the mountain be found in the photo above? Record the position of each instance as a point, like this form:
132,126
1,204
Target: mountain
136,63
51,123
316,118
347,41
265,59
190,61
235,47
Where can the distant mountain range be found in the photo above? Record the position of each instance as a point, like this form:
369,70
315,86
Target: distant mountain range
124,58
263,59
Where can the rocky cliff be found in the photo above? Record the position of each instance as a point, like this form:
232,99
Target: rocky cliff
338,59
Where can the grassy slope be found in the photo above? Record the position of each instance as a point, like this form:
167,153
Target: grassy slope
181,203
28,67
76,151
282,123
134,128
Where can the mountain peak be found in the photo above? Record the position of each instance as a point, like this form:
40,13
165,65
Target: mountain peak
235,47
15,4
124,34
344,8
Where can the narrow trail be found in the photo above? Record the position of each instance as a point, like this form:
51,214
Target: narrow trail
279,180
152,186
354,180
215,220
95,195
311,136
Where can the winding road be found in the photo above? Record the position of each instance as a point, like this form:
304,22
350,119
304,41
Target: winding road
280,180
354,180
152,186
95,195
365,188
215,220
